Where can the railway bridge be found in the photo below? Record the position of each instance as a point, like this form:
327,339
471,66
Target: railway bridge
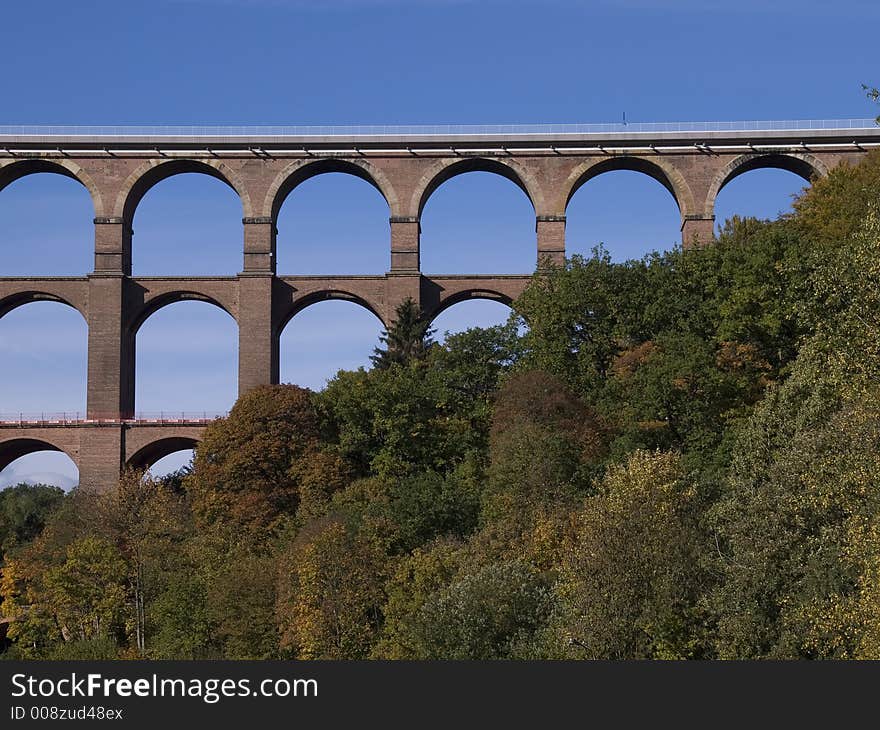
263,165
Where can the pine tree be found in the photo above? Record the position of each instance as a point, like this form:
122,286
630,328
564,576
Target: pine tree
409,337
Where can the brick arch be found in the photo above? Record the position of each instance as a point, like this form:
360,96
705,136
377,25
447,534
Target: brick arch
444,170
663,172
12,170
324,295
803,164
150,453
19,299
154,304
466,295
301,170
18,446
153,172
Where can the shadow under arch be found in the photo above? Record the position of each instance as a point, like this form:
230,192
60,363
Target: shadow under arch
804,165
152,306
669,177
17,169
152,173
446,170
20,299
144,458
15,448
298,172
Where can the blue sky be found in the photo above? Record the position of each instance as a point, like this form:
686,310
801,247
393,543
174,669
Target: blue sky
374,61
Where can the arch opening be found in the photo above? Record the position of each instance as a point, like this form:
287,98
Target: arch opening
761,192
46,221
478,221
292,178
187,222
334,222
472,310
172,464
624,210
186,361
35,461
44,363
164,456
325,337
170,298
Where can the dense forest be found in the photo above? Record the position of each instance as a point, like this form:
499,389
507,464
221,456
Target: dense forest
677,457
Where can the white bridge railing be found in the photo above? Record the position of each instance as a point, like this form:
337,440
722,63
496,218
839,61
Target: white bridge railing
404,130
72,418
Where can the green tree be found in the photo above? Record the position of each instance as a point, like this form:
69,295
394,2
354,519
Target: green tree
87,593
544,442
417,578
633,577
255,467
24,509
873,94
427,415
409,338
797,512
495,612
573,315
330,593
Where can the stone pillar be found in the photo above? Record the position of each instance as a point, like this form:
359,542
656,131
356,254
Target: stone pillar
112,246
697,230
110,391
405,232
259,245
550,230
399,287
257,339
101,456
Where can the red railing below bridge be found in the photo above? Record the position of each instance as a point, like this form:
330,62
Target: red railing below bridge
74,418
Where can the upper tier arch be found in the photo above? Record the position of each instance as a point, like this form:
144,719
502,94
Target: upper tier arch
444,170
663,172
12,170
153,172
803,164
301,170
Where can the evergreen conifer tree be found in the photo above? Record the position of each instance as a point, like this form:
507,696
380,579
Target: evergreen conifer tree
409,337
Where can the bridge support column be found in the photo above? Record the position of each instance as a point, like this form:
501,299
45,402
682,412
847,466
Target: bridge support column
400,287
110,390
259,245
550,230
101,457
405,233
112,246
257,339
697,230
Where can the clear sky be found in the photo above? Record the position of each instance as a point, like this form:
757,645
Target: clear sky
373,62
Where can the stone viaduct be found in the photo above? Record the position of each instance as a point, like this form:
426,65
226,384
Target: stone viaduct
263,166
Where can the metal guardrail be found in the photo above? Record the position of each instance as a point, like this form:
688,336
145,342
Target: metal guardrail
432,130
75,418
